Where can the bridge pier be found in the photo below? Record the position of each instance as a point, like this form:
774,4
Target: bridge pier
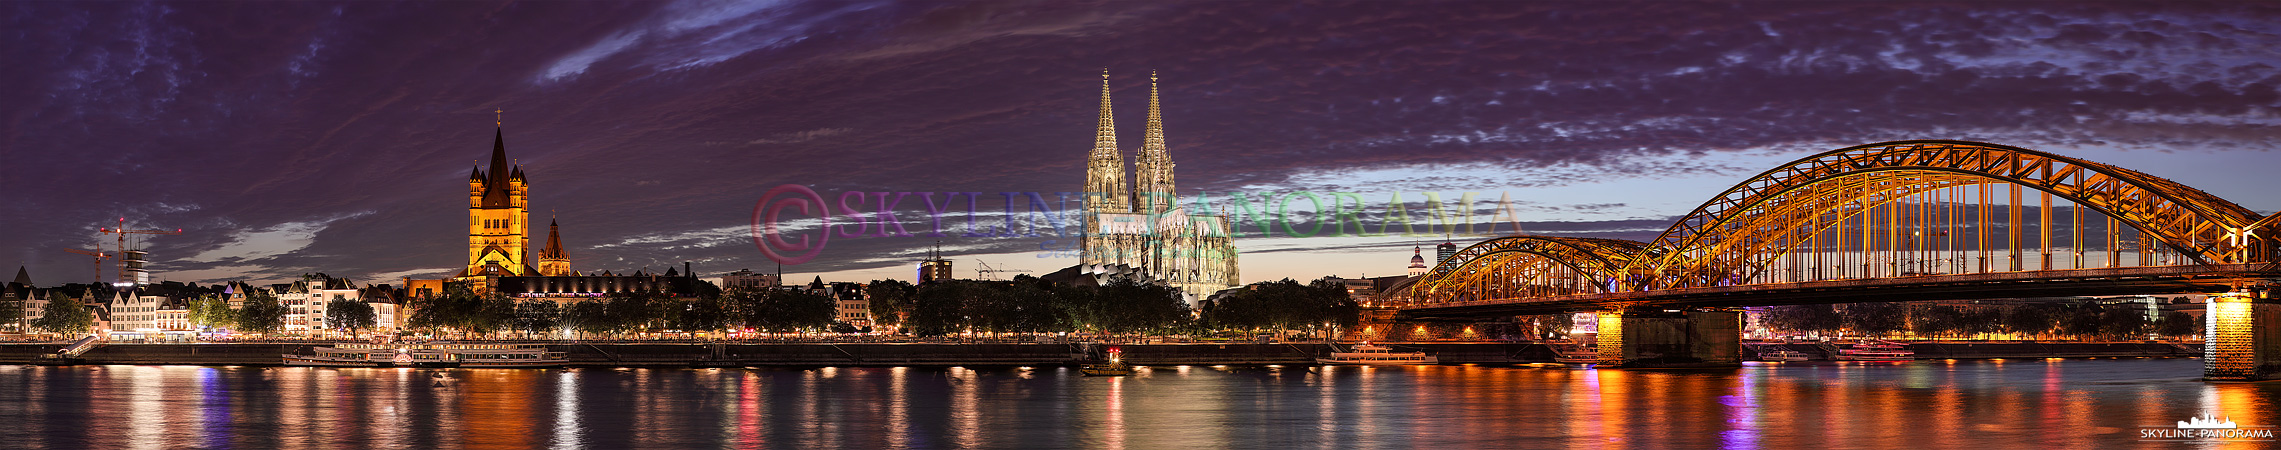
2243,340
1658,338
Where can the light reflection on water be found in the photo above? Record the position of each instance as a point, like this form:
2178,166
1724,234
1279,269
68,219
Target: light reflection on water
1928,404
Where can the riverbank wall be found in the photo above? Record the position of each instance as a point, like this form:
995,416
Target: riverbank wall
1998,350
1023,354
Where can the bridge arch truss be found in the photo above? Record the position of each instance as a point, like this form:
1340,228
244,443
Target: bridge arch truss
1884,210
1530,266
1905,196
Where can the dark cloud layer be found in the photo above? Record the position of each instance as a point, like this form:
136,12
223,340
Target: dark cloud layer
292,137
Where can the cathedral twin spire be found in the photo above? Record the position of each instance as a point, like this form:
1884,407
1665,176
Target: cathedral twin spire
1105,167
1152,185
1152,191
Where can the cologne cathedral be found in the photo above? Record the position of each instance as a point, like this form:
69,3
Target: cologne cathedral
1144,230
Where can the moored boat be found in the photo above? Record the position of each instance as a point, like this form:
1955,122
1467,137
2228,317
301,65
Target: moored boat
1872,350
1569,353
1782,355
1367,354
430,355
1115,367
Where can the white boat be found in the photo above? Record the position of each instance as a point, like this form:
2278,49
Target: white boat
1568,352
1366,354
1781,355
1877,351
431,355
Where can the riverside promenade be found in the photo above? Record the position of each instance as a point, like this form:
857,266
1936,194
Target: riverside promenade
738,354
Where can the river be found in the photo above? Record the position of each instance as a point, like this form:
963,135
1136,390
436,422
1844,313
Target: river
2036,403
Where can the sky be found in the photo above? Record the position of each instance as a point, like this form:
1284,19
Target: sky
285,138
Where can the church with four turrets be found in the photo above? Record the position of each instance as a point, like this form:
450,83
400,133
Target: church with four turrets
499,254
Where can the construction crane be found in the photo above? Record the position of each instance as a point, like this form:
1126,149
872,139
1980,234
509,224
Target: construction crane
131,259
99,257
990,273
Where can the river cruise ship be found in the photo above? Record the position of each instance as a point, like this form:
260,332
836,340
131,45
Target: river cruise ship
1366,354
431,355
1877,351
1781,356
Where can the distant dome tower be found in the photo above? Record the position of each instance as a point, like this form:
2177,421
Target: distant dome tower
1417,261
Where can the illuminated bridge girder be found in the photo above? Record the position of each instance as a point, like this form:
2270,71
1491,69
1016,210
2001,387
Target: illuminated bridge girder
1732,237
1522,266
1876,212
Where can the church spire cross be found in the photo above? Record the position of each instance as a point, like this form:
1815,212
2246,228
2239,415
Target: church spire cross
1105,137
1153,189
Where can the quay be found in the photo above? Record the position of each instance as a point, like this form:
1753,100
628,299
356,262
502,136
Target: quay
636,354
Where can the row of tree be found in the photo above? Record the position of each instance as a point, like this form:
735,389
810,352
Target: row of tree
1024,305
1284,305
1032,305
2044,320
1029,305
459,310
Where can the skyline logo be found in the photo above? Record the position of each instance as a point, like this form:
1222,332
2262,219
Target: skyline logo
2207,422
2204,428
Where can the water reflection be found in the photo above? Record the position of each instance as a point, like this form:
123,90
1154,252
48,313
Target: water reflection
1929,404
569,432
1113,422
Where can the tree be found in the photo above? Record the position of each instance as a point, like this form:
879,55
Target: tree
2123,323
890,300
493,312
2177,324
591,317
534,317
2081,321
447,309
1875,318
1284,305
349,315
1934,320
212,311
633,311
699,314
460,308
1803,319
940,308
1978,321
64,315
2029,320
261,313
779,310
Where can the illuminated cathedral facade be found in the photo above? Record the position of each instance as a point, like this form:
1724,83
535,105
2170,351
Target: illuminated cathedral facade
1143,228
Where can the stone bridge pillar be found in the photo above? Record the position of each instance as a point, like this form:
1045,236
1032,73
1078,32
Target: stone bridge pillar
2243,340
1658,338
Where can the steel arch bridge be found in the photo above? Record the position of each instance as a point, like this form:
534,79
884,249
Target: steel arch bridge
1907,215
1556,265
